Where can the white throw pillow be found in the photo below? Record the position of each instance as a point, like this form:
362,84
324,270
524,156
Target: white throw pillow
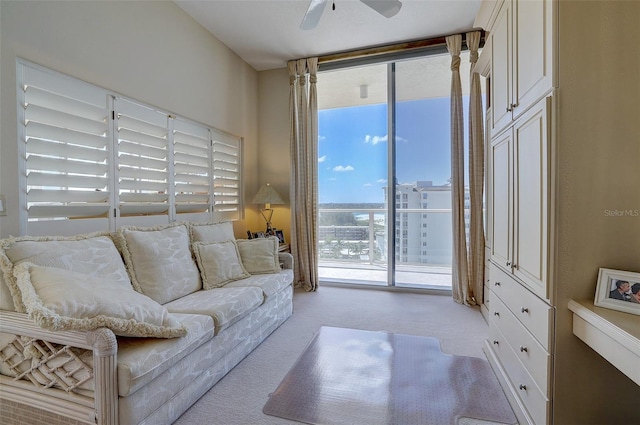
94,254
212,232
219,263
58,299
159,261
259,255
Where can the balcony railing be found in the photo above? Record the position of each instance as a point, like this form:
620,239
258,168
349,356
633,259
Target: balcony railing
353,245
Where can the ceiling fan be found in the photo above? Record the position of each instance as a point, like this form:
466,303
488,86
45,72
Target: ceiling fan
386,8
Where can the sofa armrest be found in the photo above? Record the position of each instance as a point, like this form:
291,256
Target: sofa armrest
102,342
286,260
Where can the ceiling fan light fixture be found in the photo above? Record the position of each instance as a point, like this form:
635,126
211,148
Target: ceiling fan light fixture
313,14
386,8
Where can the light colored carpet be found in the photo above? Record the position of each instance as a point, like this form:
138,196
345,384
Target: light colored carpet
239,397
349,376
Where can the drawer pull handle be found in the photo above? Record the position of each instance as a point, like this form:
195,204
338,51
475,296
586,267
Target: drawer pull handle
523,349
524,310
508,263
497,283
496,342
523,387
495,313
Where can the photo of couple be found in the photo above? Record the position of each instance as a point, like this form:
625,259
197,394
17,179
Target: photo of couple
625,291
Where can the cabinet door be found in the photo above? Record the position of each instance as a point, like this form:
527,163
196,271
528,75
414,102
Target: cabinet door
532,52
501,71
500,201
531,193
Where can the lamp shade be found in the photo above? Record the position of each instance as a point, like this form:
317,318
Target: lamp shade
267,195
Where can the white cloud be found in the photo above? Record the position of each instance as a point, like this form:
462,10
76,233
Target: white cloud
321,138
323,158
374,140
381,181
341,168
367,185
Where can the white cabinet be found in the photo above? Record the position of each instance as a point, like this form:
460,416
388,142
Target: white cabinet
531,140
518,205
521,343
521,58
519,164
500,212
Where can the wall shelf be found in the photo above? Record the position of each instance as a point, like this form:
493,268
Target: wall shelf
614,335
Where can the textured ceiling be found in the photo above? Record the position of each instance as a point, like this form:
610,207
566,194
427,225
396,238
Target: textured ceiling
266,33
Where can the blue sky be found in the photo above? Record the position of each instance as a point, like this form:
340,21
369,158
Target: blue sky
352,151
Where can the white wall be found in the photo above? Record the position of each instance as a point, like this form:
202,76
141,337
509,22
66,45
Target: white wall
274,158
151,51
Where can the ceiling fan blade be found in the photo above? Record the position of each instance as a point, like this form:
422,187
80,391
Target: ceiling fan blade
386,8
314,12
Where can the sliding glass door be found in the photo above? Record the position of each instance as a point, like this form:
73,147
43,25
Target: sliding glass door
353,172
384,173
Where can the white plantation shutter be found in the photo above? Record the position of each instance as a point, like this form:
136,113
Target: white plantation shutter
64,127
143,159
227,168
191,167
91,159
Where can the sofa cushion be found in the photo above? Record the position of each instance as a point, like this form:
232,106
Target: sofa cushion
159,261
270,284
219,263
225,305
259,255
94,254
140,360
212,232
58,299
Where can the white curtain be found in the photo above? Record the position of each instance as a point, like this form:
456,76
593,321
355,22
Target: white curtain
476,175
459,272
303,110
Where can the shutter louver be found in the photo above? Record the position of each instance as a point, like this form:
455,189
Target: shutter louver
191,159
143,160
93,160
65,131
227,168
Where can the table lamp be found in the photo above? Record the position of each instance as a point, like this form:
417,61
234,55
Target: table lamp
267,195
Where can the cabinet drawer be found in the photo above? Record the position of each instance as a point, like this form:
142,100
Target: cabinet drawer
533,356
524,387
535,314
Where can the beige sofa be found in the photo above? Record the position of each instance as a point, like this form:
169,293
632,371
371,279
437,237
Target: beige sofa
133,327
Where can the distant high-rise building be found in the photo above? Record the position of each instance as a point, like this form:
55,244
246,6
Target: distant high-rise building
423,232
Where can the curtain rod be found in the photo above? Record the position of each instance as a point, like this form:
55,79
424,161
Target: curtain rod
404,47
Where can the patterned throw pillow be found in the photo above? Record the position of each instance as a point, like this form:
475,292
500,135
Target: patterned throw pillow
219,263
212,232
159,261
94,254
58,299
259,255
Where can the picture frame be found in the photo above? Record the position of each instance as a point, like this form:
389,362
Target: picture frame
261,235
615,288
280,235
